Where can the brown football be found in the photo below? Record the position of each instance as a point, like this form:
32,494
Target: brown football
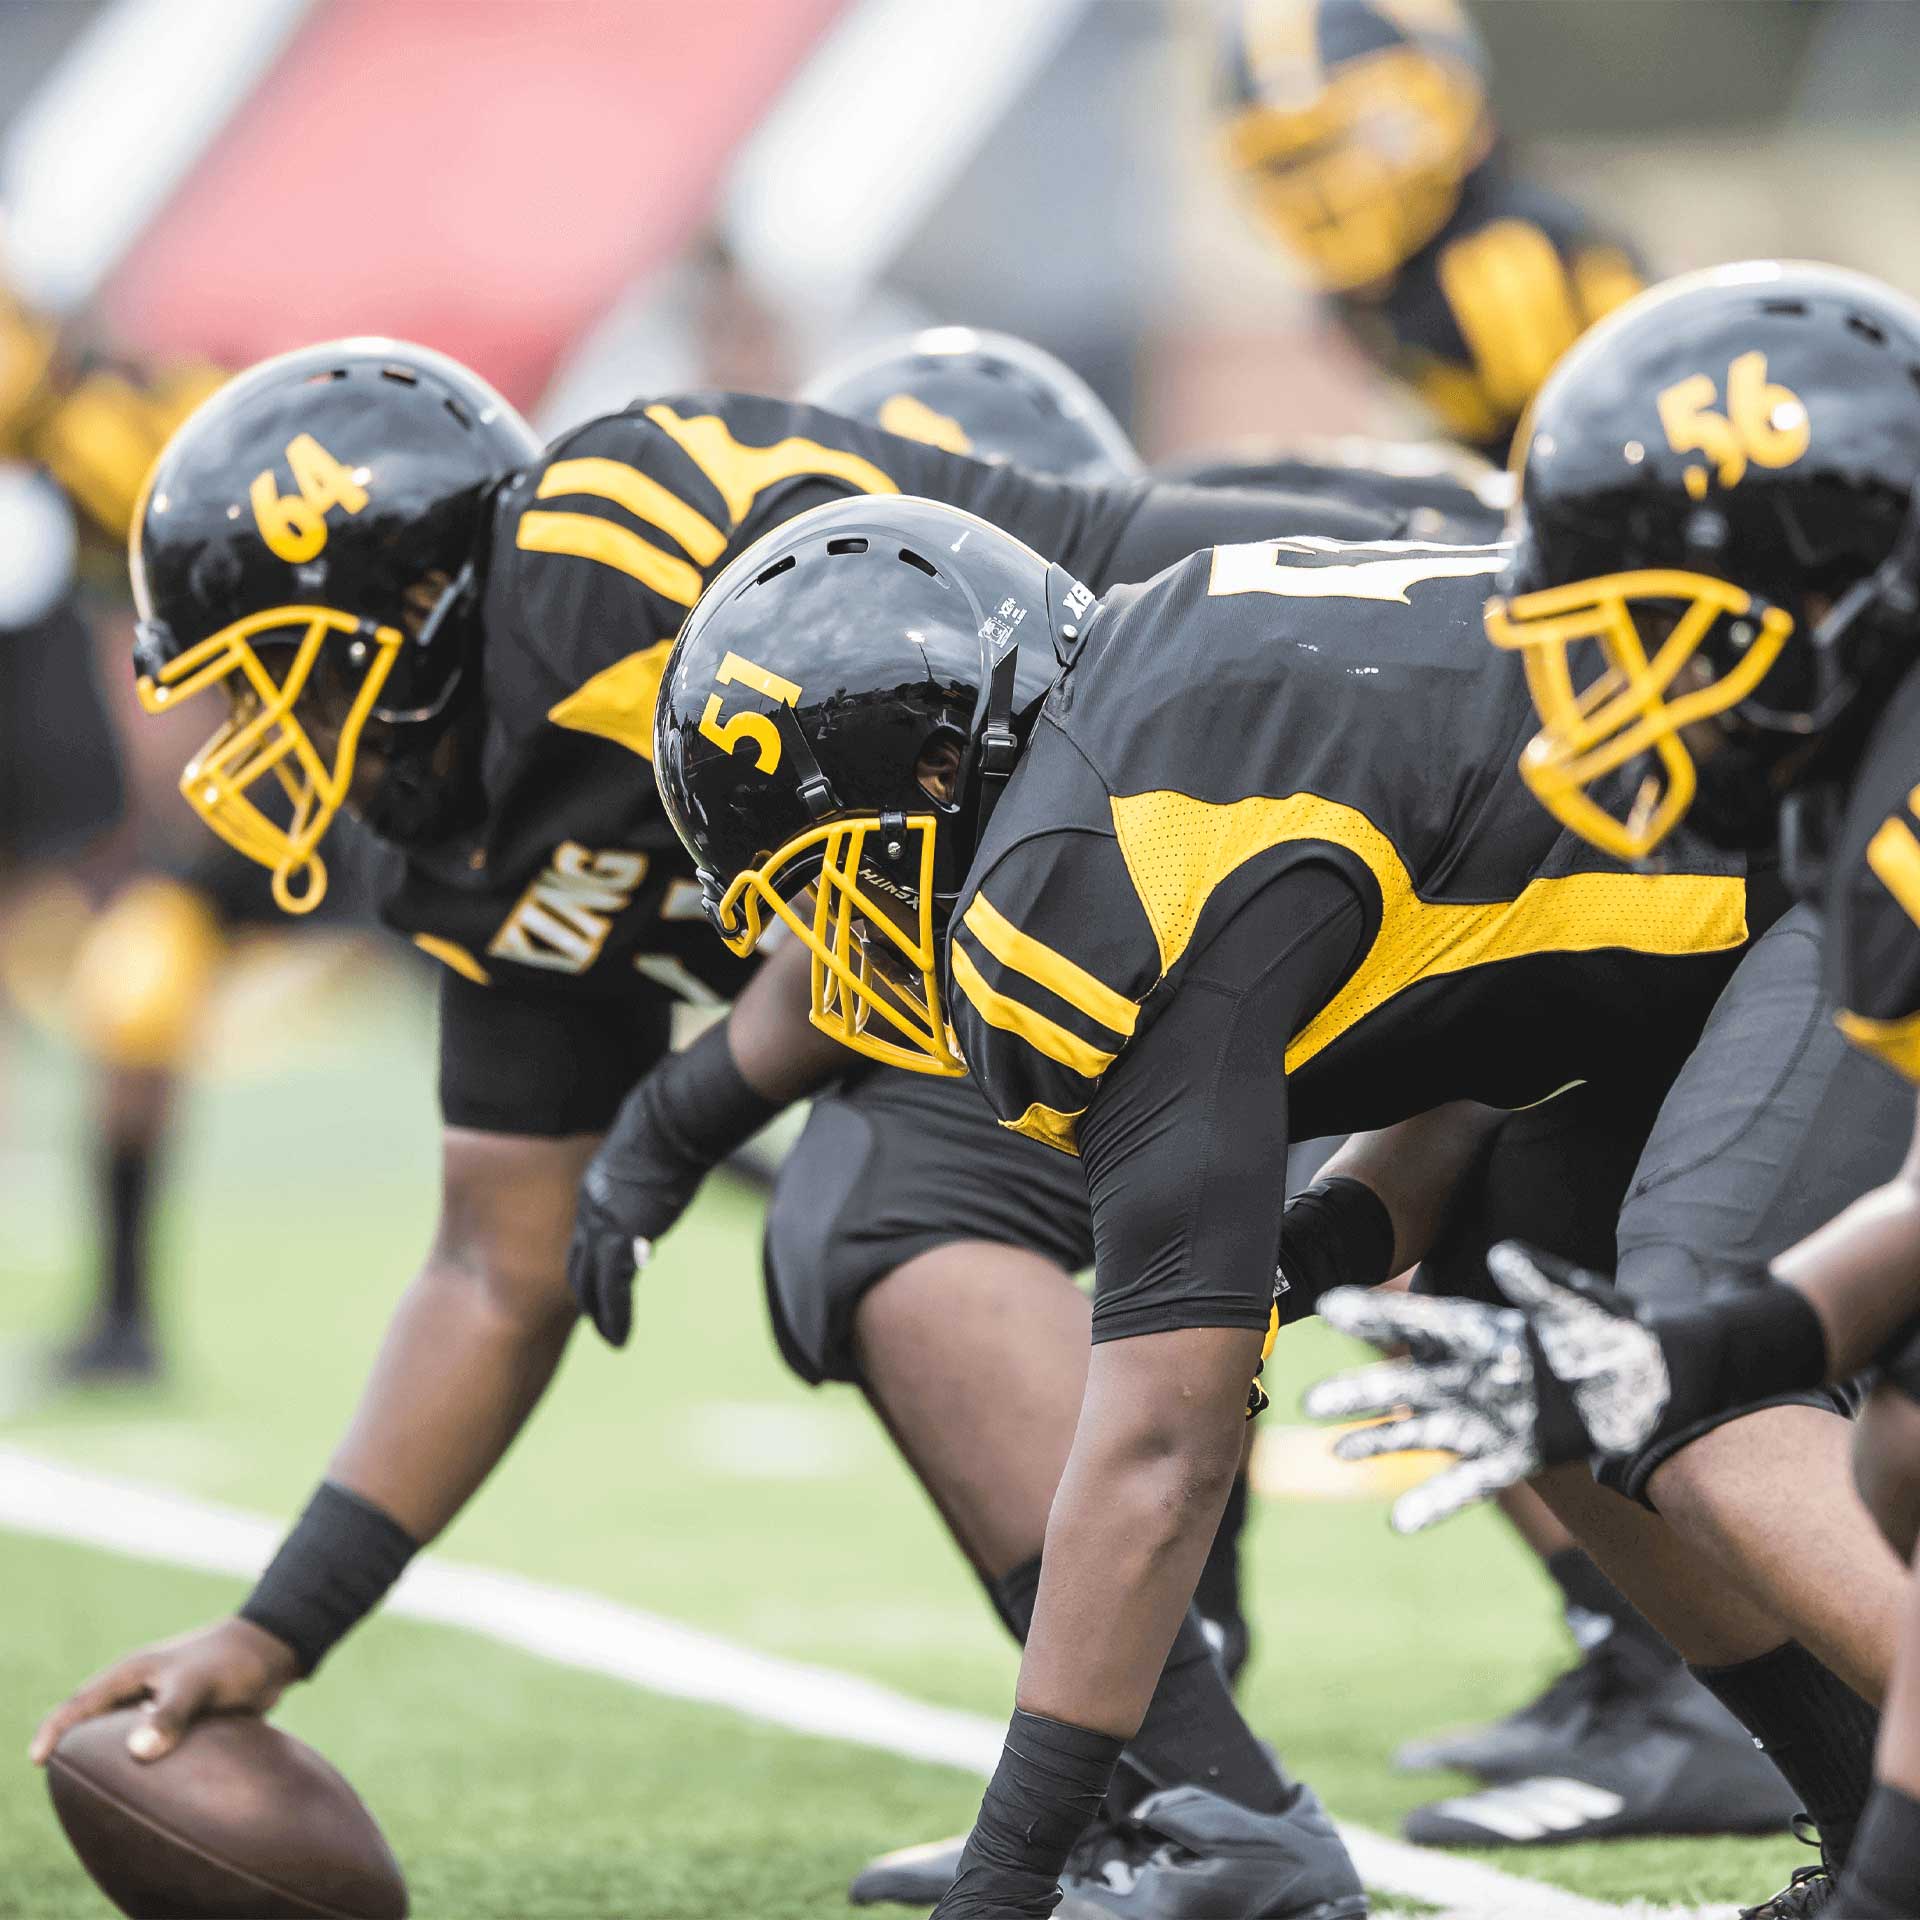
239,1822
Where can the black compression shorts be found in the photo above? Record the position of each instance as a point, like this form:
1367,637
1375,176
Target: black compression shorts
890,1166
1773,1126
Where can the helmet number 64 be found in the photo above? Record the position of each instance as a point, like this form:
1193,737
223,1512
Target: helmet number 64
294,525
757,727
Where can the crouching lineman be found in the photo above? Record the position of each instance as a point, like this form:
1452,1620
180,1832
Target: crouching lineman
413,613
1717,596
1169,872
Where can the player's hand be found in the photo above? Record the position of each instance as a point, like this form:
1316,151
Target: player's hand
230,1667
1562,1374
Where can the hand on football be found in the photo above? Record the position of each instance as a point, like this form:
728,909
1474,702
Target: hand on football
1564,1373
230,1667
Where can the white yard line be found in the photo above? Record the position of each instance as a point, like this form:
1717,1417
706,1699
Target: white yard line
582,1630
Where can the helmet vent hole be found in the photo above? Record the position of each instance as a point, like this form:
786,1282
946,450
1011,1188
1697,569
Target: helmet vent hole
1785,309
459,412
773,572
854,543
1867,329
925,565
403,375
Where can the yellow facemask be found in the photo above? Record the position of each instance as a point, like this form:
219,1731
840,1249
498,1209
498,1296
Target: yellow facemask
850,925
1358,179
264,736
1624,712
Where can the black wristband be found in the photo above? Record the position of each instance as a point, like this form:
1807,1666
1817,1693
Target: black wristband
332,1570
701,1104
1043,1796
1335,1233
1736,1349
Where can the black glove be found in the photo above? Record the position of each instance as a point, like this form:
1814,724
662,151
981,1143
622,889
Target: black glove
674,1128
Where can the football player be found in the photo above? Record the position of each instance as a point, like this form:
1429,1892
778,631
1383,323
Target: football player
1361,130
1180,871
407,610
1716,594
916,1249
1625,1722
79,429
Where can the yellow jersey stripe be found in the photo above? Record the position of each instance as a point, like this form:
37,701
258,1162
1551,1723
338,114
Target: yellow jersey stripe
1043,1035
450,954
1054,971
1894,855
1049,1126
1897,1042
742,474
618,702
643,497
587,538
1178,850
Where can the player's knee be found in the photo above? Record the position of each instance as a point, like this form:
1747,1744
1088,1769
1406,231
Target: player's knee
1886,1465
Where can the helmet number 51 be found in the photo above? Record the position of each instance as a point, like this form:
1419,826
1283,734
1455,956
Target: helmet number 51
294,525
757,727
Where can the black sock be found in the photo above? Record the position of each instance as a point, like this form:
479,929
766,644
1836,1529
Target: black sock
1218,1594
1192,1735
1813,1727
126,1178
1043,1796
1882,1880
1598,1613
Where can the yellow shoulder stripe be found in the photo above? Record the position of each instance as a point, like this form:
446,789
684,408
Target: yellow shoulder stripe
1043,1035
912,419
643,497
1894,855
1897,1042
1054,971
450,954
743,474
587,538
1179,849
618,702
1509,294
1049,1126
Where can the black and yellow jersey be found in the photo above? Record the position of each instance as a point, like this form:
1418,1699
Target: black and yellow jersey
1265,711
576,882
1873,893
1445,492
1477,318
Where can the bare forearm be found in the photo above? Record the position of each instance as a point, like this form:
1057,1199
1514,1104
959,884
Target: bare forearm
782,1054
1414,1167
457,1377
1861,1272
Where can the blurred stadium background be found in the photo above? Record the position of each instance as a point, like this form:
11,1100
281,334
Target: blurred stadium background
587,199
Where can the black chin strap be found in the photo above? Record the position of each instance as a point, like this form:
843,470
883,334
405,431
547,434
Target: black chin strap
999,744
814,788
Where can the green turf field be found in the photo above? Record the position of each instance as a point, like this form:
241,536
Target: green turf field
689,1476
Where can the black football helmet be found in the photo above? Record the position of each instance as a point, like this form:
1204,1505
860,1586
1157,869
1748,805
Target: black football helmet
1717,569
984,394
309,542
806,689
1354,123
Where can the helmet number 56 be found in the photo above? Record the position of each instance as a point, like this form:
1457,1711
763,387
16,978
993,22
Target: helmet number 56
757,727
1764,424
294,525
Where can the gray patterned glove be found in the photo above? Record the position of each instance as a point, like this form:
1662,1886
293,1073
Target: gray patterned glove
1566,1372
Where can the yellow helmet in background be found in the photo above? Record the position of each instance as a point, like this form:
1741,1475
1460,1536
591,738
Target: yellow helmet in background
1354,124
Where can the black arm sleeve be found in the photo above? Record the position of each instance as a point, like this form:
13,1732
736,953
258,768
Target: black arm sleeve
1173,521
550,1064
1185,1143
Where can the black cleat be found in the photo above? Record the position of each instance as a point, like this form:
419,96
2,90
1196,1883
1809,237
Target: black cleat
1812,1890
914,1876
112,1352
1187,1854
1663,1759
